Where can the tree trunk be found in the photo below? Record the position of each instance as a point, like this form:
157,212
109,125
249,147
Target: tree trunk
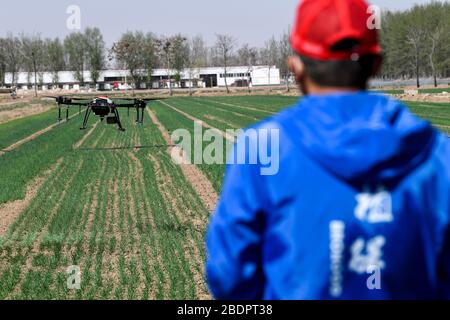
288,89
433,68
190,82
269,79
225,78
417,71
35,76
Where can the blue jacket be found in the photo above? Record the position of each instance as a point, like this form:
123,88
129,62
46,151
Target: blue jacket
358,208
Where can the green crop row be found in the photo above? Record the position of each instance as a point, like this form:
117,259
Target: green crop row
21,165
127,218
15,130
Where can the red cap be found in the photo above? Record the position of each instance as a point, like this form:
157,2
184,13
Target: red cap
321,24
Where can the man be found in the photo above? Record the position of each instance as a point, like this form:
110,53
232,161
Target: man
359,208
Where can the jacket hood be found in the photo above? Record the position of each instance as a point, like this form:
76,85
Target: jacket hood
362,137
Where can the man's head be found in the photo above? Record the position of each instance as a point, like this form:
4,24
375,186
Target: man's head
335,47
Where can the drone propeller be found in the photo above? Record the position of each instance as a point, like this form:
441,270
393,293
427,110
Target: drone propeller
64,97
80,99
137,98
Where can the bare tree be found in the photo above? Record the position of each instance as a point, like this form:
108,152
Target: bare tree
415,38
180,55
247,56
285,51
197,58
129,54
75,51
13,58
2,62
54,59
150,56
33,55
438,34
165,49
95,52
225,45
174,53
270,55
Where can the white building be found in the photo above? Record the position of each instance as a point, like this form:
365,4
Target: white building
197,78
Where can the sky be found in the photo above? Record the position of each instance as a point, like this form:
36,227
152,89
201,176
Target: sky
249,21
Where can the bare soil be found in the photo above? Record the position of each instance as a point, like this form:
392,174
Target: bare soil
442,98
11,210
22,112
30,137
198,180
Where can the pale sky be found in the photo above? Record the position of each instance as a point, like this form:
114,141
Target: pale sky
249,21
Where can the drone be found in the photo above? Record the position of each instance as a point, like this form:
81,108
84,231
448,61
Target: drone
103,107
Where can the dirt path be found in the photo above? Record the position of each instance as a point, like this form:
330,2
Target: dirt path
31,137
11,210
204,124
183,214
198,180
87,135
17,101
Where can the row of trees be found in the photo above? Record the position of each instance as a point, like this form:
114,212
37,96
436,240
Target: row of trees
139,53
416,42
34,55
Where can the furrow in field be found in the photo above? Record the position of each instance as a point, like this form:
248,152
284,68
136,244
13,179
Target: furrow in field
261,103
172,237
56,251
40,236
201,184
161,182
110,258
12,248
204,124
90,231
120,233
240,106
31,137
88,134
135,206
157,278
132,261
213,118
11,210
239,114
92,245
188,221
73,250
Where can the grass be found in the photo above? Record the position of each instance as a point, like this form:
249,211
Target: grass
128,218
421,91
15,130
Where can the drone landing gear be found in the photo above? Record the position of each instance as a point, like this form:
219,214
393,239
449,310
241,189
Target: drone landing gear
117,120
59,114
140,116
86,118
